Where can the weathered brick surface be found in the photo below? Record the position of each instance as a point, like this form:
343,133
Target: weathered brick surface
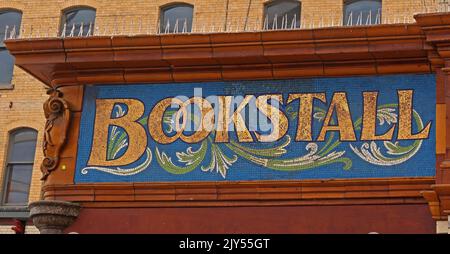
22,106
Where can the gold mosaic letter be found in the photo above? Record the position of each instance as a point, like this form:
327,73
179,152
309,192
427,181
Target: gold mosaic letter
344,125
137,137
370,117
206,118
155,121
276,116
304,126
405,98
224,120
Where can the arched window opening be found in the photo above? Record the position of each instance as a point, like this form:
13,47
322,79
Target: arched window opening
19,167
362,12
176,18
77,22
9,28
282,14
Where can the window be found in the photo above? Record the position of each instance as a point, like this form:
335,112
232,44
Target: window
19,167
362,12
282,14
78,21
176,18
9,28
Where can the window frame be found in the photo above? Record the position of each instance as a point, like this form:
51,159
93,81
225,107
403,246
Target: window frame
8,167
63,19
9,85
348,2
164,8
6,85
274,2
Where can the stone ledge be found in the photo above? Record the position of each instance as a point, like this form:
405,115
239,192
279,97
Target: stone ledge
19,212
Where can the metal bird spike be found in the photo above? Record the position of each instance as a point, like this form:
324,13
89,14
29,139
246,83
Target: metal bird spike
22,32
294,22
175,27
275,22
6,32
12,34
149,28
115,27
124,26
257,25
104,30
72,31
167,29
158,29
378,18
266,23
185,26
80,33
131,31
140,26
369,18
89,30
359,21
238,25
63,33
350,19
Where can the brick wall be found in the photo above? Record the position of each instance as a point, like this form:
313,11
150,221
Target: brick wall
28,230
22,106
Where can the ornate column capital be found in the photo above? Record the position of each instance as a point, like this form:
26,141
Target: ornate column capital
53,216
57,114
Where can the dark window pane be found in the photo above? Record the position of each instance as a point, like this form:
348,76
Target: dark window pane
282,14
176,19
12,20
75,20
9,27
18,186
23,146
6,67
364,12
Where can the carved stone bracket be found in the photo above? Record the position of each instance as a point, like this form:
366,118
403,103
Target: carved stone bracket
439,201
53,216
57,114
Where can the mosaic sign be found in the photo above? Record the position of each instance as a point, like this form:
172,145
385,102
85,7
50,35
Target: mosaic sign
320,128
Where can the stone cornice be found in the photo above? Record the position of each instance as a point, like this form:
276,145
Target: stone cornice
226,56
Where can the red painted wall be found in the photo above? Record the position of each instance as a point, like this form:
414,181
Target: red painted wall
307,219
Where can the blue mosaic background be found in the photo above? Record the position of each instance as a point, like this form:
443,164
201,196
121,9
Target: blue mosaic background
421,164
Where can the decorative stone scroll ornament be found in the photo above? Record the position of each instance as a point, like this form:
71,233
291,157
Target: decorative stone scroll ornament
57,114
